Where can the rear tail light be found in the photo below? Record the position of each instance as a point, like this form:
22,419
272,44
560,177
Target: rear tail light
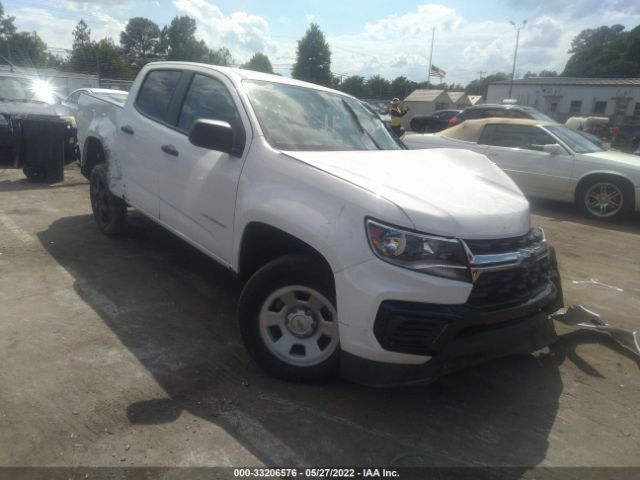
453,121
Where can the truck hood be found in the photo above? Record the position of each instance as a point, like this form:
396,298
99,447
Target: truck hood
455,193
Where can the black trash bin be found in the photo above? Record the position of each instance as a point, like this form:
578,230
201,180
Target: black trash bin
43,145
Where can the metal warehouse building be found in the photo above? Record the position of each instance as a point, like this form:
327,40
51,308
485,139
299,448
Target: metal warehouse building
564,97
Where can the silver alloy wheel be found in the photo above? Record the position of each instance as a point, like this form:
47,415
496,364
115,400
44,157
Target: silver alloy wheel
299,325
603,199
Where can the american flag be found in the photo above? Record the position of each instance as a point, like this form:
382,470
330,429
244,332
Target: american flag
437,72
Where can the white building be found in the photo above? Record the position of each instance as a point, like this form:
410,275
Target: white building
564,97
424,102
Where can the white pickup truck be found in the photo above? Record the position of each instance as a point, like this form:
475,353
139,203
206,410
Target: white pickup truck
388,265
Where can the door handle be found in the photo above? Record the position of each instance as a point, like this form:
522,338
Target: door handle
127,129
170,149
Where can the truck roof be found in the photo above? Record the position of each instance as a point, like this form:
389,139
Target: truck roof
242,74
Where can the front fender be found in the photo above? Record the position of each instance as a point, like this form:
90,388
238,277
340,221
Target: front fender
325,212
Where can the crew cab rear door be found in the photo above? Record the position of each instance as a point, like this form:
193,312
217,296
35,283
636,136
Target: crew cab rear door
140,137
198,186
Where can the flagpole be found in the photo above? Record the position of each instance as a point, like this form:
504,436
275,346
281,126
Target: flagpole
433,33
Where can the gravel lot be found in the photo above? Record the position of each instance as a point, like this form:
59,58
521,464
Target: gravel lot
124,351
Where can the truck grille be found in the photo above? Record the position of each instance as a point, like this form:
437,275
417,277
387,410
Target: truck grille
504,288
511,286
502,245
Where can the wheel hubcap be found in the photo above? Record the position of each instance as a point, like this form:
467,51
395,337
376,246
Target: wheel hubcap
299,325
300,322
603,199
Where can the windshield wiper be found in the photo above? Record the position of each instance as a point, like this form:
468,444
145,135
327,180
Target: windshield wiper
356,120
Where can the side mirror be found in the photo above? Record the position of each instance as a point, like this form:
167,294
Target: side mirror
553,149
213,135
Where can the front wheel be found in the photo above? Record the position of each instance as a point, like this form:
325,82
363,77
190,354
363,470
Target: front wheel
109,211
288,319
605,199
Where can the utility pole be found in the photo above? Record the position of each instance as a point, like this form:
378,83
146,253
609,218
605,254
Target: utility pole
481,73
9,55
98,63
433,33
515,55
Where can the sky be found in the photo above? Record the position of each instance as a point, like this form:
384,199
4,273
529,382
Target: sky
390,38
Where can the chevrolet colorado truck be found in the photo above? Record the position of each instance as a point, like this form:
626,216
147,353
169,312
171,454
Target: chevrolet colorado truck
358,256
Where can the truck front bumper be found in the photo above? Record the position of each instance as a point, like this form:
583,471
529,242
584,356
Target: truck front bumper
410,338
521,335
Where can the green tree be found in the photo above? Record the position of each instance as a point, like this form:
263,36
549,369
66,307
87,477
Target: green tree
7,28
140,40
354,85
26,49
103,58
548,73
81,34
481,85
179,41
378,88
259,62
604,52
221,56
401,87
313,62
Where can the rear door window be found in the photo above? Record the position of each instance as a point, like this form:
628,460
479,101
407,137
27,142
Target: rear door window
156,92
515,136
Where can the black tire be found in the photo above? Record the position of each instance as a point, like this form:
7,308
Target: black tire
109,211
588,192
288,272
35,174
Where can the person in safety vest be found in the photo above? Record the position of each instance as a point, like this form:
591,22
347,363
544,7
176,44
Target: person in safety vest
396,116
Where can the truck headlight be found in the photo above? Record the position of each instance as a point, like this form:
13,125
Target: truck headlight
443,257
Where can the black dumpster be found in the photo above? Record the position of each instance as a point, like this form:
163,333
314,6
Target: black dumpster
43,149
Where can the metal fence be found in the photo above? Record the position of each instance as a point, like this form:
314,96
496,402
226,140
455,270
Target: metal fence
66,82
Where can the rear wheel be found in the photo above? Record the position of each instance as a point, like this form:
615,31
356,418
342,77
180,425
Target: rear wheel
288,319
605,198
109,211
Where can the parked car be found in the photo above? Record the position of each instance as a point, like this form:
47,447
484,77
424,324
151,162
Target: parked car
117,96
32,122
438,120
488,110
392,266
626,137
549,160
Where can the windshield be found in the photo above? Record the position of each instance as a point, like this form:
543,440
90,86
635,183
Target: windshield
16,89
574,140
300,118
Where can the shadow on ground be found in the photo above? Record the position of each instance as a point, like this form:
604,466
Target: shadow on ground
174,309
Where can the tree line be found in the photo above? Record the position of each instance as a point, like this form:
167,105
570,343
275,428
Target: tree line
600,52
